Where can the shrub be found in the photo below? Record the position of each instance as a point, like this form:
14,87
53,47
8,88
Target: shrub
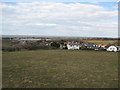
55,44
9,49
30,47
17,49
43,46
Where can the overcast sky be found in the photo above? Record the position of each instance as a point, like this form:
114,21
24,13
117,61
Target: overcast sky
60,18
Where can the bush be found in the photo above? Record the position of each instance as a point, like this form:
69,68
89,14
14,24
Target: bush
35,47
30,47
17,49
55,44
9,49
43,46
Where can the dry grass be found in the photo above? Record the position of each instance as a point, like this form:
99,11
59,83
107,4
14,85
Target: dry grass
60,69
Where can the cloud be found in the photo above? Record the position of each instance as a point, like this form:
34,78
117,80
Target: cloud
95,2
46,24
51,18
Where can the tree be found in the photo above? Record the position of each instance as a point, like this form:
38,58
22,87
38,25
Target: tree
55,44
62,42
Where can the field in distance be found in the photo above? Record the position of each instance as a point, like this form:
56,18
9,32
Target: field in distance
102,41
60,69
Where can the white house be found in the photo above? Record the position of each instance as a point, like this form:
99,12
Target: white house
73,46
113,48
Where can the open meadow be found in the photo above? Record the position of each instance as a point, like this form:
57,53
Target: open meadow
60,69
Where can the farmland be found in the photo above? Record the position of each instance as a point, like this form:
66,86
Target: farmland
60,69
102,41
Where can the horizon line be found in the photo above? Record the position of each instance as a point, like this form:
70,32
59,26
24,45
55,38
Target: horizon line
62,36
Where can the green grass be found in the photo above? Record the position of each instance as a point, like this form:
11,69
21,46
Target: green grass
60,69
101,41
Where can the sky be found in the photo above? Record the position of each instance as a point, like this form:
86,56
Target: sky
50,18
60,0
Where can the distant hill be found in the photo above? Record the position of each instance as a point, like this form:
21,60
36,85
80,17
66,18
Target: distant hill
62,37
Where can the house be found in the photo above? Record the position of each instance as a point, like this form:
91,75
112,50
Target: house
102,45
78,46
113,48
73,46
90,46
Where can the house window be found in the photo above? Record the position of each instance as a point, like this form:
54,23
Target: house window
111,48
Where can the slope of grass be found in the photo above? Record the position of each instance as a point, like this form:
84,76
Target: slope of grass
60,69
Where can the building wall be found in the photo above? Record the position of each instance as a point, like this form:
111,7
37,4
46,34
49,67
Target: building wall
73,47
112,48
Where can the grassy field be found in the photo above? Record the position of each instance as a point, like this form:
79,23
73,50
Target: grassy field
101,41
60,69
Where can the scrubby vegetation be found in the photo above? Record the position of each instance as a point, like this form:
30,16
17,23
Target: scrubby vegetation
9,45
